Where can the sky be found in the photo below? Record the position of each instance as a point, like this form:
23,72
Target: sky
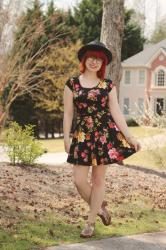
150,10
155,10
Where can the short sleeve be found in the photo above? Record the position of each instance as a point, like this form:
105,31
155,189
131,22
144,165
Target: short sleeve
69,83
110,85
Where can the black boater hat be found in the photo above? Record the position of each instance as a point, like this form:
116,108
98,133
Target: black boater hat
95,45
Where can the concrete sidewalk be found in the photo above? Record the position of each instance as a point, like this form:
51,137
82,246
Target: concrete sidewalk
146,241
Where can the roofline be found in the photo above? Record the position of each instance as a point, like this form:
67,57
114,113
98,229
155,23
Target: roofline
148,64
124,63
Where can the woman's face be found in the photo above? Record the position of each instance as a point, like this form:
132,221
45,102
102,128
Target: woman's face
93,63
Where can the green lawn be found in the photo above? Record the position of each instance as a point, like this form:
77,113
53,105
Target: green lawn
57,145
149,158
128,218
155,158
53,145
145,131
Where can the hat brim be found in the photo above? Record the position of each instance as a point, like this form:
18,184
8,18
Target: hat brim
87,47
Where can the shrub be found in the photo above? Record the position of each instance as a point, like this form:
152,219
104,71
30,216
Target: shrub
22,148
149,118
132,122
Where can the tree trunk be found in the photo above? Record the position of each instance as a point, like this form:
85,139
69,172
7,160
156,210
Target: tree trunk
46,129
3,117
111,35
52,129
2,121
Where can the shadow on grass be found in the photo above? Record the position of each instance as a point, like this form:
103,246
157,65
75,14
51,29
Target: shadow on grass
146,170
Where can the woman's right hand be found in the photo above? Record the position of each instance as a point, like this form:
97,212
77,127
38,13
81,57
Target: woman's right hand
67,145
132,140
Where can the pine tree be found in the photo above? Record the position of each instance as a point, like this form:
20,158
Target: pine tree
133,39
86,22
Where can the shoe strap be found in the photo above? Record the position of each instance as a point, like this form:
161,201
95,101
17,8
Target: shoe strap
91,224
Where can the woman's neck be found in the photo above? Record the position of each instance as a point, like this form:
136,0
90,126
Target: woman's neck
90,75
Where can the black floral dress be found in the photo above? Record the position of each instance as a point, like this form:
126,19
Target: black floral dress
96,138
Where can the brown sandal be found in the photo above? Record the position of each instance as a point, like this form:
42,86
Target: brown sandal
88,230
105,216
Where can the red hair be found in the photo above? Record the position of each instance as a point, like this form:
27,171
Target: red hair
95,53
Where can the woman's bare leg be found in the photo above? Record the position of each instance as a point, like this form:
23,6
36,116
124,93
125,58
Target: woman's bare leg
80,174
97,192
80,178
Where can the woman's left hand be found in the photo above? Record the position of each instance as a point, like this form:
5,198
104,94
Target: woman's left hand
132,140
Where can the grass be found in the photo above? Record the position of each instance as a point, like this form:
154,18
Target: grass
153,158
57,145
144,131
53,145
132,217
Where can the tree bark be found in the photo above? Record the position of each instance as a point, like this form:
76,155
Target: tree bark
111,35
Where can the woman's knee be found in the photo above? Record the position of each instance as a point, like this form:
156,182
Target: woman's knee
79,181
98,175
80,176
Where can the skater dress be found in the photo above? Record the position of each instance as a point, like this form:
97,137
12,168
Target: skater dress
96,138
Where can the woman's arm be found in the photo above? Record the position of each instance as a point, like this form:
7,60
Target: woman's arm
117,113
68,116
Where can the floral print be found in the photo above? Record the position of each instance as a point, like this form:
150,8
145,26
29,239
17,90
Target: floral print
96,138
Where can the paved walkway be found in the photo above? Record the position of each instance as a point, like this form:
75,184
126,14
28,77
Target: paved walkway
146,241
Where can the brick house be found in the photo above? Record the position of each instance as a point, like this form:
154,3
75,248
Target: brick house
143,83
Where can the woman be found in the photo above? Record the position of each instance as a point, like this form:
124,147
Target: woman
101,136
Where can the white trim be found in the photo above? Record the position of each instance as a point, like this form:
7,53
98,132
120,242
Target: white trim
159,51
125,65
160,67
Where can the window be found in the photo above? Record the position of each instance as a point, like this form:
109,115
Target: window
160,78
126,106
127,77
140,105
141,77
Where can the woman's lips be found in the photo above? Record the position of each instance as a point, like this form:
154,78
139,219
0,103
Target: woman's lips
93,67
